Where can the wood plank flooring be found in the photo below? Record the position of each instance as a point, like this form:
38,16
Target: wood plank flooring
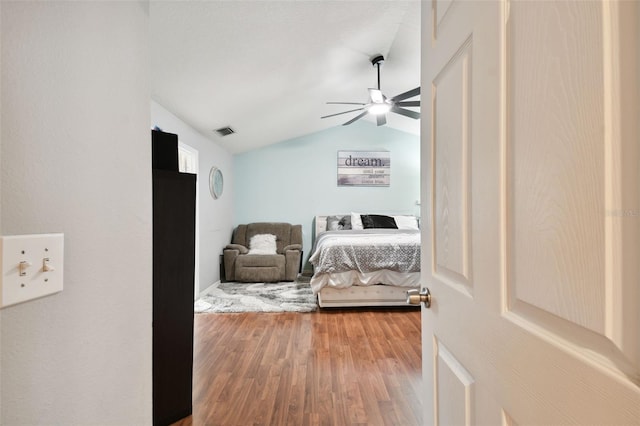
332,367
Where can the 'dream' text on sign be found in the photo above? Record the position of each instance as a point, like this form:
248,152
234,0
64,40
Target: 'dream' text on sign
364,168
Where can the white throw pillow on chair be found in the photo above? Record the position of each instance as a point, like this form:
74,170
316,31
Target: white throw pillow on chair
263,244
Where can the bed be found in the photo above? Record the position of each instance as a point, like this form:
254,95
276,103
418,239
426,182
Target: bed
363,260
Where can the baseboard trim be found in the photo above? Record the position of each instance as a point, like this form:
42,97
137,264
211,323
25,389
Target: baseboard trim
203,292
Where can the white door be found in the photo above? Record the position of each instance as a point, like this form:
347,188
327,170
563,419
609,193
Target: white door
531,242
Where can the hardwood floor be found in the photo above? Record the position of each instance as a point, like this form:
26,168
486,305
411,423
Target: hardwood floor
341,367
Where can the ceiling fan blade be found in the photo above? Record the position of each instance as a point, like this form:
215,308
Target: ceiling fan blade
345,103
405,112
406,95
358,117
340,113
381,119
409,104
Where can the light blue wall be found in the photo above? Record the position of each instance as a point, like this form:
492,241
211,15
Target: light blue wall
295,180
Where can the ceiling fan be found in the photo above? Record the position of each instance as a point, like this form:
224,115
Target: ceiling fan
379,104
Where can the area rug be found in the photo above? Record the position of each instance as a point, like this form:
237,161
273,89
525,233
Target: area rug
257,297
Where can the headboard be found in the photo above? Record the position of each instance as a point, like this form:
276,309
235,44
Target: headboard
321,221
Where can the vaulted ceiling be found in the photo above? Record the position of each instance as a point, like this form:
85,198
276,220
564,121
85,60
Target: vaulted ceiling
267,68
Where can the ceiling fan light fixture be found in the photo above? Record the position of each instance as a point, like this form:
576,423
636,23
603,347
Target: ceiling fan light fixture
379,108
376,96
379,105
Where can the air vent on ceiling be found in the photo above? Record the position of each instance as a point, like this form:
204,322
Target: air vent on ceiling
225,131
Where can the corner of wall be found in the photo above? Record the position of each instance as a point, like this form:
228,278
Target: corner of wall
215,216
1,138
264,175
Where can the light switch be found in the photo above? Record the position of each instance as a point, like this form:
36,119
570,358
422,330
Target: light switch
32,267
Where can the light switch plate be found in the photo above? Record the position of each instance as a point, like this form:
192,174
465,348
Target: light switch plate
32,267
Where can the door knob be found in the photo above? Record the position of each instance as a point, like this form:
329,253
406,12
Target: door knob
415,297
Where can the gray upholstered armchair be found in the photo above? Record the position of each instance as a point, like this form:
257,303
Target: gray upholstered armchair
283,262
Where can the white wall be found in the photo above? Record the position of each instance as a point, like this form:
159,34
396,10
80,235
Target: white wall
76,158
295,180
216,216
0,204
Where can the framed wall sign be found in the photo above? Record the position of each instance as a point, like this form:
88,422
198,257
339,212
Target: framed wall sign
364,168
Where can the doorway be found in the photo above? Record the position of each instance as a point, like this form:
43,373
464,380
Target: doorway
188,163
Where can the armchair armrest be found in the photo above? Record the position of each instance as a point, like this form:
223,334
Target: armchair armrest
293,258
241,249
292,247
229,255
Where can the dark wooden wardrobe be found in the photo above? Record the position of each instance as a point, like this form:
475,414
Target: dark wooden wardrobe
174,212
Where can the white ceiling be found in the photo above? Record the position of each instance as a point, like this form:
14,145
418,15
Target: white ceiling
267,68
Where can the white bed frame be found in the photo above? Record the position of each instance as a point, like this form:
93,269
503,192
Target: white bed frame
358,296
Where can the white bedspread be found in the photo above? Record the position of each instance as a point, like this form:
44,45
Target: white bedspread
366,257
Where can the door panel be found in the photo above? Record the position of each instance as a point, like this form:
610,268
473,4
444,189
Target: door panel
556,181
451,168
564,273
455,387
530,180
440,8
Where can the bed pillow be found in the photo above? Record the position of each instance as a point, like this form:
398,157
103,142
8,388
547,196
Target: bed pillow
333,223
406,222
263,244
338,223
356,221
378,221
345,222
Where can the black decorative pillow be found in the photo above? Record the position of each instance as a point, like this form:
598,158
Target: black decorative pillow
378,221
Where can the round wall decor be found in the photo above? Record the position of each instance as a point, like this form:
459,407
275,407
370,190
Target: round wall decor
216,182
